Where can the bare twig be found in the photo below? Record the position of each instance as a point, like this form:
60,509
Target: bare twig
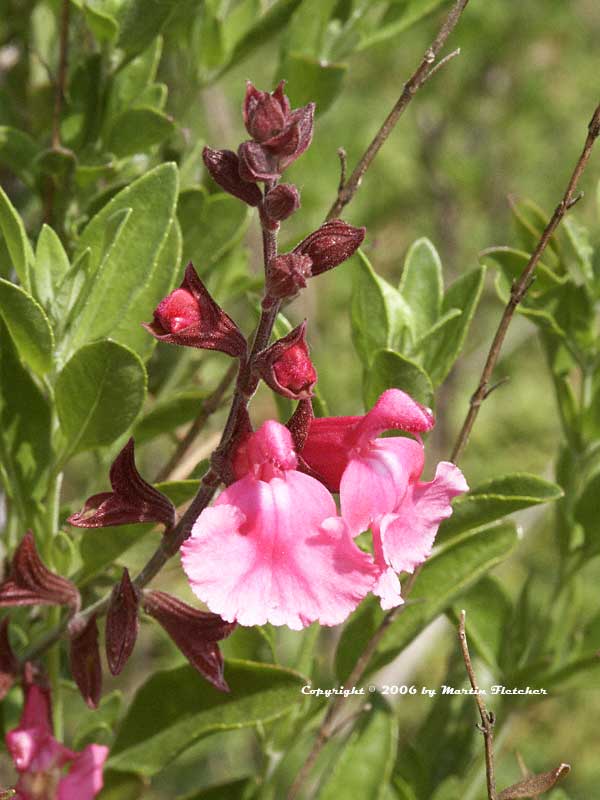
521,286
207,409
424,71
487,717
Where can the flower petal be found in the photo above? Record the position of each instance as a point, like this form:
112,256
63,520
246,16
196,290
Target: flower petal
84,780
375,483
395,410
262,554
407,535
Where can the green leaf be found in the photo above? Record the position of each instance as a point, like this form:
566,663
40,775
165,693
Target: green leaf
488,610
18,151
15,238
399,17
422,285
512,262
166,416
392,370
586,508
235,790
444,348
100,548
309,79
28,326
126,240
530,222
121,786
496,498
137,130
378,312
211,226
444,576
366,760
140,22
175,708
51,266
99,393
24,428
158,283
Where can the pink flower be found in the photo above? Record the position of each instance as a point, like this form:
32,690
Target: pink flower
378,481
272,548
39,758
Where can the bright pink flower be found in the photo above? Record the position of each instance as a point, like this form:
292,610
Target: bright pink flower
378,481
272,548
39,758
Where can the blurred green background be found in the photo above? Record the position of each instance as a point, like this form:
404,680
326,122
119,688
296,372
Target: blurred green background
507,117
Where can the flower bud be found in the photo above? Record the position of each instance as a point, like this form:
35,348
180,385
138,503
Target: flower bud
190,317
332,243
31,583
286,367
287,274
279,204
121,624
265,113
195,633
299,424
9,666
84,657
132,499
224,166
257,163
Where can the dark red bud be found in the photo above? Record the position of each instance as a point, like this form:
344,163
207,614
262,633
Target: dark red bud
131,500
224,168
31,583
265,114
296,138
299,424
331,244
195,633
257,163
9,666
287,274
279,204
121,624
286,367
84,657
190,317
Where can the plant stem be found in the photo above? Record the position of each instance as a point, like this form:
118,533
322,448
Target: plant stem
421,75
59,95
487,718
521,286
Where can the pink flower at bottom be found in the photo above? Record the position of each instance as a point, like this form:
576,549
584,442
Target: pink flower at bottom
272,548
39,758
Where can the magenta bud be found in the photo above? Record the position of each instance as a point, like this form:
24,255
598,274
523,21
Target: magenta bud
287,274
279,204
195,633
223,166
286,367
9,666
190,317
84,657
31,583
121,624
132,499
331,244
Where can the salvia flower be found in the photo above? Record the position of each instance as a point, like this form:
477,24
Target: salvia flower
40,759
121,624
272,548
279,134
9,666
31,583
190,317
84,658
195,633
224,168
132,499
286,367
330,245
287,274
379,483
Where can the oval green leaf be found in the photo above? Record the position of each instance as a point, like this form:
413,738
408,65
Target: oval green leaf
28,326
